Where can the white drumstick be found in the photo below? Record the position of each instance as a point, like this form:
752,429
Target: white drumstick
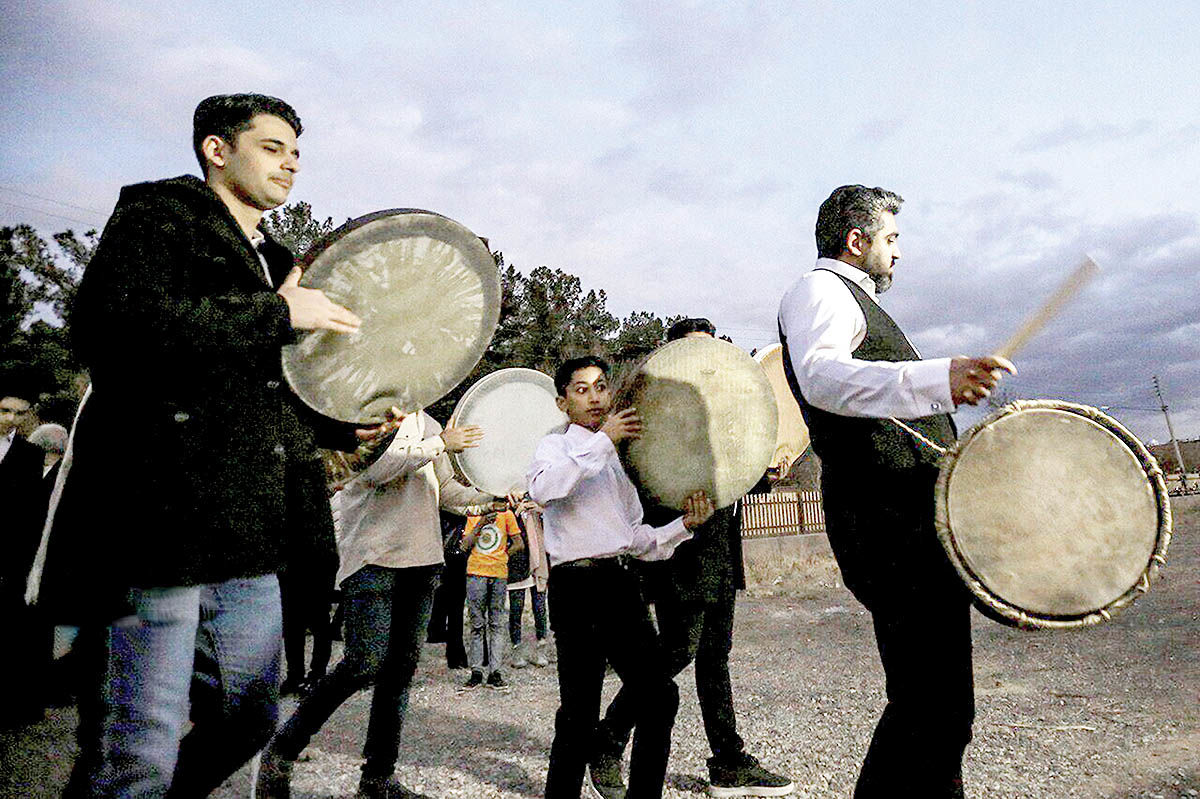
1086,270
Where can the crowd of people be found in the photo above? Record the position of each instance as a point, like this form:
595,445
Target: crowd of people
191,582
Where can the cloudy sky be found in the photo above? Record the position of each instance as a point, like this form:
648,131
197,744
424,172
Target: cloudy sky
675,153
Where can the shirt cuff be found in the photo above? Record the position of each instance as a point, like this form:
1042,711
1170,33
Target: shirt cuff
666,539
931,387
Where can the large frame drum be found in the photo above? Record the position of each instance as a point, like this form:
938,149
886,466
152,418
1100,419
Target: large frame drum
793,438
516,409
709,422
1053,513
428,294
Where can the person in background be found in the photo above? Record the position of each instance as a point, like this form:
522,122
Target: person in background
529,569
490,539
390,547
22,512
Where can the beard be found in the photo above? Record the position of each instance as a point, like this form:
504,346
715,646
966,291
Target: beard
882,283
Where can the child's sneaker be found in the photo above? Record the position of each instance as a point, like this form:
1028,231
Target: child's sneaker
517,659
474,681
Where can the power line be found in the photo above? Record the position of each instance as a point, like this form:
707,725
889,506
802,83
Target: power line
48,213
50,200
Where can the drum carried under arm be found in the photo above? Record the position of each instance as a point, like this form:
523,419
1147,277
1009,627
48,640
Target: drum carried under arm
1053,514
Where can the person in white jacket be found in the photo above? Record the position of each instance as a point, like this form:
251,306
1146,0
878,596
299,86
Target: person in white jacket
390,547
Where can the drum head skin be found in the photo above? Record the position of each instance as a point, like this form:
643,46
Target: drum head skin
516,409
709,422
1053,513
793,437
428,294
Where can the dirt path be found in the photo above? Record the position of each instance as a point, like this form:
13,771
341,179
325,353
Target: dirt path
1112,711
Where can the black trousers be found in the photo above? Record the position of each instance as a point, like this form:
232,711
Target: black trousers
599,616
305,604
690,630
883,535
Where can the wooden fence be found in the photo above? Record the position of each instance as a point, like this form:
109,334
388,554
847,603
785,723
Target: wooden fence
783,513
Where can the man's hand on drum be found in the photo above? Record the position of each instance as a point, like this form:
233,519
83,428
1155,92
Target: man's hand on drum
697,509
459,438
623,425
972,379
310,309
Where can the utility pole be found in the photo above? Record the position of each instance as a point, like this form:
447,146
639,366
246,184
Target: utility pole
1174,441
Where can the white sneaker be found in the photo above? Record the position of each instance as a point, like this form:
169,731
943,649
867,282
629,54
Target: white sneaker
539,658
517,660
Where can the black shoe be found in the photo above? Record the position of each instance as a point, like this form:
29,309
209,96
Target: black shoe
274,776
291,686
494,680
474,681
385,788
604,776
746,778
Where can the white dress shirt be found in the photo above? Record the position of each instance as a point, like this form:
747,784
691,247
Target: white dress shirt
592,509
824,325
388,515
6,442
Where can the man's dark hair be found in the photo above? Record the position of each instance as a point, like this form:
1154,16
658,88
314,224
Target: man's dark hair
563,374
227,115
851,207
697,324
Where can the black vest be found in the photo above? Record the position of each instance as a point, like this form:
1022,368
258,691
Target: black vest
857,446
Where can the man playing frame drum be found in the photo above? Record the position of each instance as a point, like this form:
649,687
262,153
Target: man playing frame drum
851,368
694,593
593,523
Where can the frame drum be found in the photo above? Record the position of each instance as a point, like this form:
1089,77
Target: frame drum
793,438
428,294
516,409
1053,514
709,422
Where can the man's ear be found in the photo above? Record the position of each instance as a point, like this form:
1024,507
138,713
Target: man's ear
856,242
213,148
561,402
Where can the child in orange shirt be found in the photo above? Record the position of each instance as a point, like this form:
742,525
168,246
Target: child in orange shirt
489,538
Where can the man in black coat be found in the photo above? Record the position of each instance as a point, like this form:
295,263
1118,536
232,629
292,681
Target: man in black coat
694,594
22,511
194,467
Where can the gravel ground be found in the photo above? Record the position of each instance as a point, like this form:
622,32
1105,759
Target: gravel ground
1108,712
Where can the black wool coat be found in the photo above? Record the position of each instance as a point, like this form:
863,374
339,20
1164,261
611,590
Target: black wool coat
193,461
22,513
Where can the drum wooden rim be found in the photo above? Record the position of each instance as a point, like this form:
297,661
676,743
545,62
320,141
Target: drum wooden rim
467,463
392,360
1010,613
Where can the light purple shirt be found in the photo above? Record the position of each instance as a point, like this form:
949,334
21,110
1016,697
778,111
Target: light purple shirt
824,325
592,509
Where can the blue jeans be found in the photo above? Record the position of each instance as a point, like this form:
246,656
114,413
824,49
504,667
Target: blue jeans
387,614
487,606
218,644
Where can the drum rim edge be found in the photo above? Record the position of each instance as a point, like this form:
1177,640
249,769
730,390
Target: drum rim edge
1017,616
455,461
489,323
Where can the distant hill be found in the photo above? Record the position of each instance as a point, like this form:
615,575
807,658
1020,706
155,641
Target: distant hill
1165,453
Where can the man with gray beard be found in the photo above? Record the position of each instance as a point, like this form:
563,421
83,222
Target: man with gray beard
853,371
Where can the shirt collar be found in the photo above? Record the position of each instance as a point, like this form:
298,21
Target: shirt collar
257,239
578,431
851,273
